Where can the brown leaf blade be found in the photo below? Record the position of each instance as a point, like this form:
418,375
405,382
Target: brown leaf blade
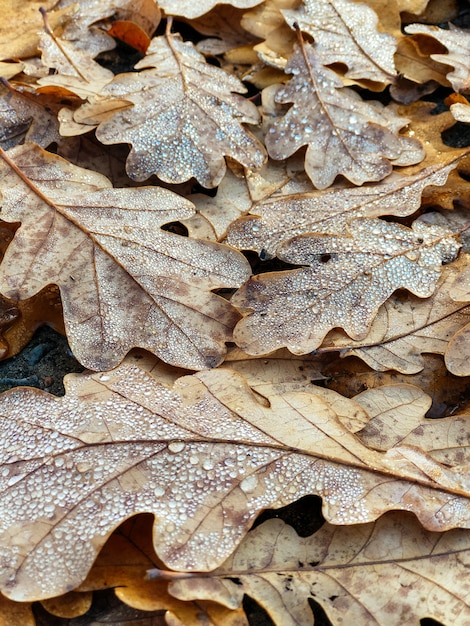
123,281
346,281
346,32
185,117
204,457
404,329
344,134
330,211
358,574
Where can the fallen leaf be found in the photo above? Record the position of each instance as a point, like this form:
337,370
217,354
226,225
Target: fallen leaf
396,416
75,69
15,613
277,219
69,605
22,24
347,32
346,281
457,42
344,134
97,244
184,119
120,443
24,118
122,565
364,574
191,10
407,327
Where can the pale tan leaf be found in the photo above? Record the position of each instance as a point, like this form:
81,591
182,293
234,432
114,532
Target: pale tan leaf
416,65
461,112
346,280
412,6
8,70
75,69
81,28
457,42
185,118
204,457
344,134
396,415
347,32
407,327
222,26
215,214
274,220
124,282
374,574
240,191
191,10
122,564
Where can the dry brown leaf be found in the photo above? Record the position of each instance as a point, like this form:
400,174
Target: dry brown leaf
415,65
75,69
406,327
191,9
120,443
24,118
367,574
15,613
185,117
457,42
347,32
276,219
69,605
344,134
396,417
223,28
81,27
123,281
22,24
122,564
346,281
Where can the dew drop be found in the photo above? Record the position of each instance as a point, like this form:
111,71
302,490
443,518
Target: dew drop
176,446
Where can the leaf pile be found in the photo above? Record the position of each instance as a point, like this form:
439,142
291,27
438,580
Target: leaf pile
250,228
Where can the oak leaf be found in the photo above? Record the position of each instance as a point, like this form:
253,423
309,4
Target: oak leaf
184,117
457,42
396,416
357,574
22,24
123,281
347,32
74,69
344,134
346,281
407,327
191,10
24,118
122,565
121,443
281,217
